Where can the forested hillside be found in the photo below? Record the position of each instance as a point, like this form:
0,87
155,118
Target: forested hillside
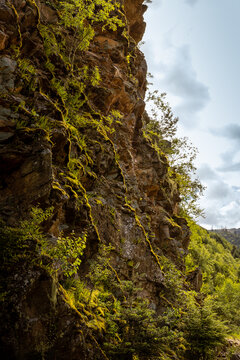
220,267
232,235
96,196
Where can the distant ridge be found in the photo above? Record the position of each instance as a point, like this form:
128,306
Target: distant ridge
232,235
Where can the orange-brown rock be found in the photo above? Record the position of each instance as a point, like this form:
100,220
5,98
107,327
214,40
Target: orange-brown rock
131,178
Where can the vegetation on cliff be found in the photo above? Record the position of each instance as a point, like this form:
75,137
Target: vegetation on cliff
161,130
92,237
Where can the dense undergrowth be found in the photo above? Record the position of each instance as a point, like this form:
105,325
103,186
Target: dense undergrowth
113,309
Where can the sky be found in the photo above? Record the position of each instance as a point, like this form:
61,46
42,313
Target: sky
192,49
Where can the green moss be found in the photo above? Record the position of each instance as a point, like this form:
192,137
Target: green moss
172,222
130,263
138,222
57,186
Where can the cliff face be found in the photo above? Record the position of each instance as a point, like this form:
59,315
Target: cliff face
71,139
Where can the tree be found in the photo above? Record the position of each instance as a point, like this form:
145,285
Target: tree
160,128
203,332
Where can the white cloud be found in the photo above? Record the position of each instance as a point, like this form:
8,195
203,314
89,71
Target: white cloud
231,156
232,167
219,191
175,75
206,174
230,131
181,80
221,202
226,217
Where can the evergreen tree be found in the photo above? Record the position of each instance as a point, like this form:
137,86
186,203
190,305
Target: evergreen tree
203,332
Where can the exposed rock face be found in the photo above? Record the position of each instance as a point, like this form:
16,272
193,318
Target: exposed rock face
134,12
26,169
235,357
132,199
195,278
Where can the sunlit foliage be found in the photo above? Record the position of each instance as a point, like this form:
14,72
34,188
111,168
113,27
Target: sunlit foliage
221,273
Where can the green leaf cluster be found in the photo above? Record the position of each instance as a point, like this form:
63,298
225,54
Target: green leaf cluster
65,252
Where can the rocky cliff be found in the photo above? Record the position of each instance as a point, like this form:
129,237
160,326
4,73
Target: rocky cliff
72,83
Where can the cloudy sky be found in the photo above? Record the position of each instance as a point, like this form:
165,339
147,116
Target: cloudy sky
193,50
